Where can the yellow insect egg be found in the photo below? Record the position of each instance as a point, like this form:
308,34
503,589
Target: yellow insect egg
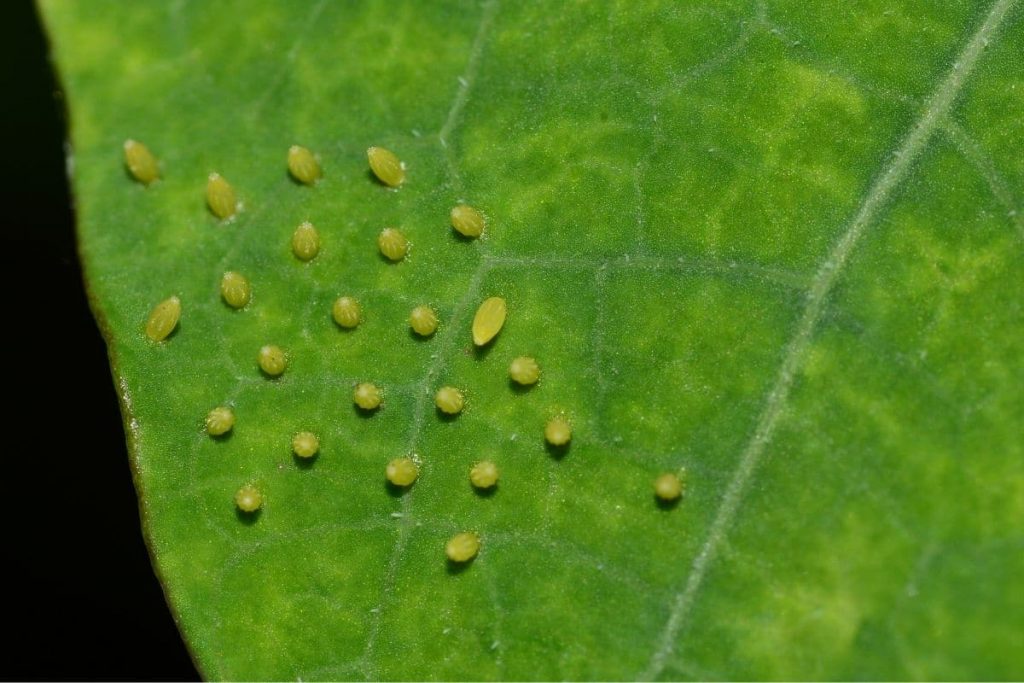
140,162
303,165
367,396
484,474
386,166
524,370
235,289
163,319
488,320
558,431
462,547
393,244
219,421
423,321
449,400
220,197
467,221
305,444
306,242
402,472
346,312
668,487
272,360
249,499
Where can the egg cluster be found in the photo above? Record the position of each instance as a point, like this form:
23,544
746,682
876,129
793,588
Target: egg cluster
347,313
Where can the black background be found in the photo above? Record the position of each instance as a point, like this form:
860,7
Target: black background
80,600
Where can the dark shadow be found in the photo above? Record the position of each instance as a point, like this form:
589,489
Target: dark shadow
221,438
305,463
445,417
248,518
481,352
364,413
557,452
299,183
459,237
272,378
667,504
456,568
485,493
520,389
395,491
419,338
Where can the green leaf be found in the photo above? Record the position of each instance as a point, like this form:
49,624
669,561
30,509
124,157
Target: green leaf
777,244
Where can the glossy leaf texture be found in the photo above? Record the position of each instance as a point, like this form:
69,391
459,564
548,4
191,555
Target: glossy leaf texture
778,244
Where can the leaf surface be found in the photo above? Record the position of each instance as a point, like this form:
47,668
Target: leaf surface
776,244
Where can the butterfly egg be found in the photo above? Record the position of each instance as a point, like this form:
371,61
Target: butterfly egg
488,320
249,499
462,547
484,474
220,196
346,312
558,431
423,321
393,244
402,472
467,221
235,289
367,396
306,242
449,400
163,319
305,444
219,421
303,165
272,360
668,487
524,370
386,166
140,162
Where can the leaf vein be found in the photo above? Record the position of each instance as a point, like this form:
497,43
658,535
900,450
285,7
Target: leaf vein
915,141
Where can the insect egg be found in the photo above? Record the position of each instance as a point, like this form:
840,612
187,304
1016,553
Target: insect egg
402,472
488,320
449,400
303,165
558,431
524,370
305,242
423,321
220,196
249,499
386,166
484,474
467,221
367,396
219,421
668,487
163,319
346,312
272,360
235,289
462,547
140,162
393,244
305,444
